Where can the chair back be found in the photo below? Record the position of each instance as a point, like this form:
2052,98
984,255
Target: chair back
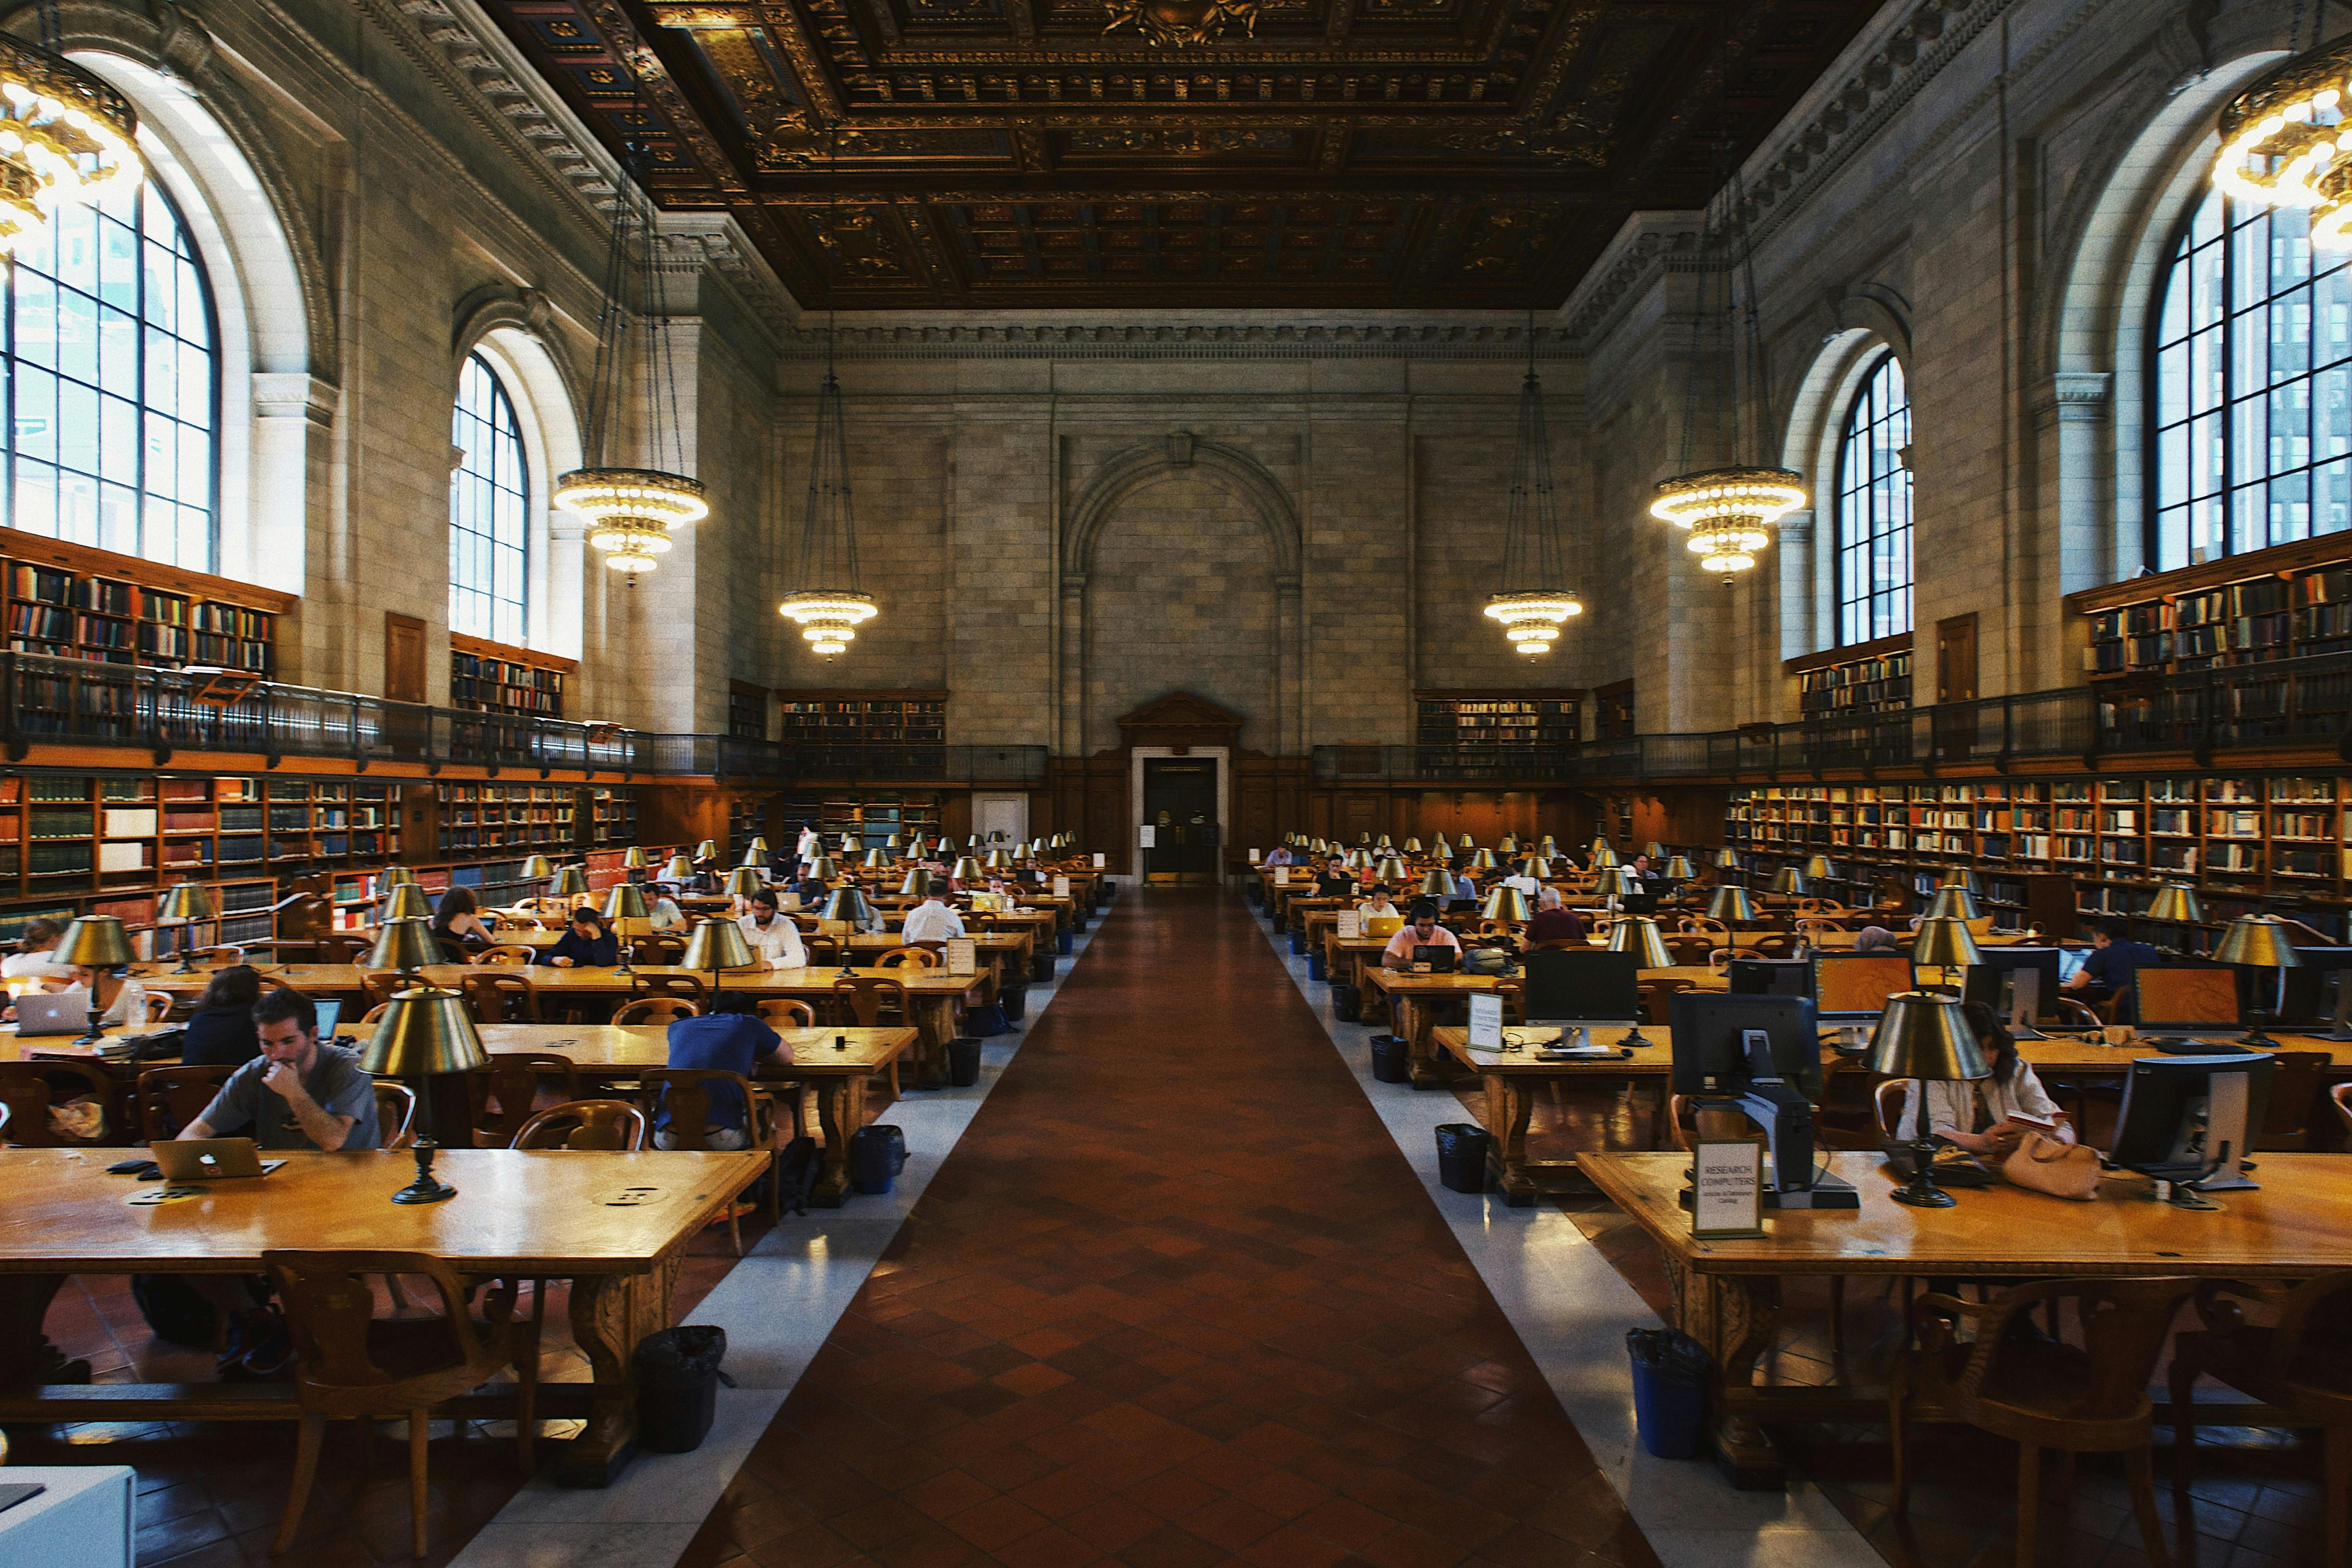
395,1108
1719,958
642,985
500,998
330,1302
2340,1097
861,999
657,949
655,1010
907,958
511,954
342,947
823,951
686,1094
1657,997
218,956
376,1013
1887,1104
515,919
2294,1097
512,1082
609,1124
29,1089
171,1098
783,1013
2293,1314
2124,1324
376,984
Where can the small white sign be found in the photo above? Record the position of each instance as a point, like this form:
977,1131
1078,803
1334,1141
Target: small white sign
1486,1023
1100,862
1061,887
1282,875
1257,856
1727,1191
964,955
1151,837
1351,925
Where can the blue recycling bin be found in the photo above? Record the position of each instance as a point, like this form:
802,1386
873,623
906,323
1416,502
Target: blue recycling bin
1669,1391
1298,941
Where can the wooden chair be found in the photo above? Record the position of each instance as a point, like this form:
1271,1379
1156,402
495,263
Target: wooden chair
685,1094
376,1013
1886,1103
2043,1393
2340,1097
342,947
611,1124
501,998
782,1013
659,949
29,1090
350,1365
221,954
1656,996
2292,1363
159,1006
643,985
655,1010
171,1098
823,951
514,919
395,1108
1774,944
907,958
378,984
1719,958
513,1083
510,955
871,1002
2295,1087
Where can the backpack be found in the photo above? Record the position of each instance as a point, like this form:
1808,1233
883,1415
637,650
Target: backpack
796,1172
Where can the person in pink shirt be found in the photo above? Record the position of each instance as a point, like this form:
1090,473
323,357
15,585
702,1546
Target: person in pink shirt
1423,931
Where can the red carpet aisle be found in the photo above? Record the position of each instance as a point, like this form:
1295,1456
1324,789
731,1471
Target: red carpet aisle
1175,1299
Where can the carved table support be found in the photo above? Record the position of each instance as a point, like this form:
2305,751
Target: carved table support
610,1314
1733,1315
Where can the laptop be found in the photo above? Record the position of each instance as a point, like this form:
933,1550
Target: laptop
1439,957
44,1012
329,1013
1383,925
209,1159
2185,1001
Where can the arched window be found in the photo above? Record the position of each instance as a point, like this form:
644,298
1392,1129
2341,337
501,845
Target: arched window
489,497
2253,387
113,396
1874,509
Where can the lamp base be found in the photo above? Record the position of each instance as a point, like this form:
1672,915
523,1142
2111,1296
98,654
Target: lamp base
97,1024
1921,1191
426,1189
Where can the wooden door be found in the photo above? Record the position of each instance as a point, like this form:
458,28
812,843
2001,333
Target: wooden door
403,657
1955,684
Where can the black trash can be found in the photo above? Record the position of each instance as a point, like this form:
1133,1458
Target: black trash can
875,1155
1392,1059
1670,1371
1297,941
1041,967
963,1061
677,1386
1014,1000
1347,1001
1461,1156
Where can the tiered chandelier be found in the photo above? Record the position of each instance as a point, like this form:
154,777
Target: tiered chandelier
830,608
1729,511
67,138
2285,143
629,512
1535,601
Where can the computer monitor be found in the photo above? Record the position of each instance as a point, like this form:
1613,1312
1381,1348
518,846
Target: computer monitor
2070,962
1713,1053
1638,903
329,1011
2309,989
1852,987
2193,1119
1771,977
1990,979
1437,955
2185,1000
1564,986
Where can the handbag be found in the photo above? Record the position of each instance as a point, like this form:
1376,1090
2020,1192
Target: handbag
2046,1166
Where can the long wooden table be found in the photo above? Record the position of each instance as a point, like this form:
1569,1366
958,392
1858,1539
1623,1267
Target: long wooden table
1727,1293
1512,1078
519,1214
607,1051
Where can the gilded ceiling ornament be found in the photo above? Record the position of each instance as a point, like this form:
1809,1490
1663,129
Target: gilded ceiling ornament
1181,24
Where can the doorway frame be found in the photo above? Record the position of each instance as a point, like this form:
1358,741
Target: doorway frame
1136,758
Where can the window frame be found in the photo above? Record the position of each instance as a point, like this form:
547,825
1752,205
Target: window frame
511,431
1864,381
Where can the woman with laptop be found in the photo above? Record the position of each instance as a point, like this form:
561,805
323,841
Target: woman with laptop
121,998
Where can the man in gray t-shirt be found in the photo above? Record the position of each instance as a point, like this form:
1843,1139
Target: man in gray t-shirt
297,1094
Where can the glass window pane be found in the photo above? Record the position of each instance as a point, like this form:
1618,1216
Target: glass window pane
490,497
1873,512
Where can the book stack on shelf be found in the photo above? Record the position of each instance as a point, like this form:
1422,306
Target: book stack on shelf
484,816
1492,734
865,718
1854,682
747,711
868,819
72,601
1612,718
613,815
492,678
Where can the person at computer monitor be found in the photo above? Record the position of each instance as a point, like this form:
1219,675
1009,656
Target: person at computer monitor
1875,939
1380,907
2114,959
1424,931
1554,921
1638,865
1976,1116
1336,882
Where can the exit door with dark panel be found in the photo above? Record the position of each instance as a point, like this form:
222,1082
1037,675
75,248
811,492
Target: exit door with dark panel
1180,804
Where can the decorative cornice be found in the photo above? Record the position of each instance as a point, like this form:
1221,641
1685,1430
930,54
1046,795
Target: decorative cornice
472,42
1198,341
1649,243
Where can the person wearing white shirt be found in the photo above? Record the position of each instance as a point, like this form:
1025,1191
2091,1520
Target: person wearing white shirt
772,937
122,999
39,959
1523,883
931,921
807,846
664,913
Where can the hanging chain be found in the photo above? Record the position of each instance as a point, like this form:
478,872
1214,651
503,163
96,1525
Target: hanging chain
828,525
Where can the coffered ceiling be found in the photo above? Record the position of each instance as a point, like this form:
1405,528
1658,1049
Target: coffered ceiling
1148,153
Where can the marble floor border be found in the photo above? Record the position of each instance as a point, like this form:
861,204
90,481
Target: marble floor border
1571,1310
778,1306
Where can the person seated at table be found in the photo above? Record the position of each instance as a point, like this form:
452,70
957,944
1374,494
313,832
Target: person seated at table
1554,921
931,921
1278,855
1379,906
585,944
1523,883
2114,960
1976,1116
1875,939
121,998
1424,931
458,926
730,1037
222,1034
33,957
1336,881
1466,884
297,1093
774,938
1638,865
812,889
662,911
808,844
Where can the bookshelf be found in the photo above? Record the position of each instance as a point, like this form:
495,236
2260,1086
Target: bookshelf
1479,730
747,711
2285,602
865,718
74,601
1853,683
869,819
1612,712
492,678
546,819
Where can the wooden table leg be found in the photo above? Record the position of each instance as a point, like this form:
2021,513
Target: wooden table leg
27,1357
934,1019
610,1314
1509,1104
1415,1017
1733,1315
840,1111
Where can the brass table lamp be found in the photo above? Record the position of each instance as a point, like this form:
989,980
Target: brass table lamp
755,856
1384,843
1727,858
1443,850
847,906
1732,906
393,875
1961,876
2175,904
996,861
1790,883
184,905
95,942
678,870
1678,869
1604,858
571,882
742,882
1437,885
1412,847
633,859
716,945
875,860
536,868
1819,868
425,1033
1507,904
1391,870
2258,942
823,868
1925,1036
1638,934
1944,943
1655,850
968,870
405,901
404,944
917,884
706,851
624,901
1953,904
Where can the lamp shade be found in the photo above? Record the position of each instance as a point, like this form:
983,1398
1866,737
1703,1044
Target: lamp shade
404,944
756,856
424,1032
844,904
1732,906
889,843
917,884
534,868
1638,934
393,875
1944,942
1412,847
1358,859
1536,866
1727,858
1484,861
407,903
1819,868
971,841
967,869
1599,843
743,881
707,850
875,860
2177,904
678,870
849,844
1437,885
1466,842
996,861
823,868
1953,903
622,901
2260,941
1961,876
1505,904
184,903
1926,1036
1364,837
1791,881
1548,848
1678,869
1384,843
95,941
1508,847
1655,850
1390,870
1444,849
716,944
758,842
1617,882
571,882
1604,857
633,859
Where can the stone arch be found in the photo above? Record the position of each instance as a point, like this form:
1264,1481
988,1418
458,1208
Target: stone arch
1243,479
512,329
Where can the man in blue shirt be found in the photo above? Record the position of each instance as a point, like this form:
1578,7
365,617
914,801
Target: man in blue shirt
730,1037
2114,959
